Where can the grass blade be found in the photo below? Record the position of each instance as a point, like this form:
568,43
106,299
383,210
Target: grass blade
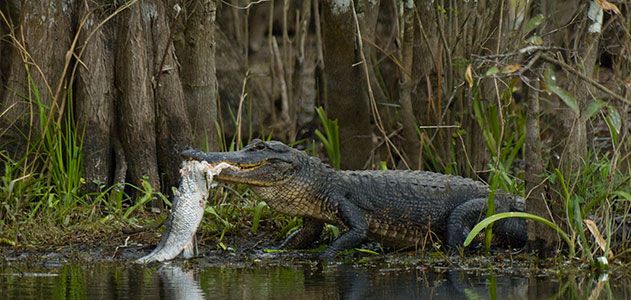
490,220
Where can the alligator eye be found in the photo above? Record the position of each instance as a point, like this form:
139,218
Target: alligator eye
259,146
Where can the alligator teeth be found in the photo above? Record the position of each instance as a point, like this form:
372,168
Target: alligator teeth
248,167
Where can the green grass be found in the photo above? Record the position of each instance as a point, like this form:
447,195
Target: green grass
44,186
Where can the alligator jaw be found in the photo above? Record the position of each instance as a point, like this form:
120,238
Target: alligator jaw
263,167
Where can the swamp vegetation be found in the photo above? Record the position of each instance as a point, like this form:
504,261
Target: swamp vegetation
97,99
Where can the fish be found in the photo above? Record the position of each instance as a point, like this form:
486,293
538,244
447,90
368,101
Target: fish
189,203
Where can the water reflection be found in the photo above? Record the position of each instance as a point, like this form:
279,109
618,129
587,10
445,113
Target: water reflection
179,284
117,281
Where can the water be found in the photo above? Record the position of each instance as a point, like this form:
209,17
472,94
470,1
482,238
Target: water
170,281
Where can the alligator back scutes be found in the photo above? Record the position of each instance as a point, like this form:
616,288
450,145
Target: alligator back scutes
413,197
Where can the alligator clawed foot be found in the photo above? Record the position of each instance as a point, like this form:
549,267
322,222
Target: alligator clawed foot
326,257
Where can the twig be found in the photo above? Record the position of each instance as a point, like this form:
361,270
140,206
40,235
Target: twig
584,77
244,7
380,143
444,113
240,108
284,93
320,75
524,50
428,45
386,55
2,114
443,39
121,246
439,126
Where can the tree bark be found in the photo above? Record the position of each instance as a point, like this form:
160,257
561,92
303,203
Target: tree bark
5,51
128,100
195,47
35,26
94,98
411,145
345,84
136,106
173,129
586,45
540,237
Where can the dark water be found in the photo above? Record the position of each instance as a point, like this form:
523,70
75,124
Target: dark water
118,281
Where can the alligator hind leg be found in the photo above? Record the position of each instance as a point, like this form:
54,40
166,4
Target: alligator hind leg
305,236
462,219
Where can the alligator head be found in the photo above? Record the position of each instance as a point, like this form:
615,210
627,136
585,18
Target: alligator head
259,163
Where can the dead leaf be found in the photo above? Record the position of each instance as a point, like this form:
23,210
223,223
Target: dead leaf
608,6
468,76
593,229
511,68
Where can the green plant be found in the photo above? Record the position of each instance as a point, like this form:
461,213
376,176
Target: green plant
52,163
590,194
330,139
148,194
488,232
63,149
496,217
586,195
256,217
504,137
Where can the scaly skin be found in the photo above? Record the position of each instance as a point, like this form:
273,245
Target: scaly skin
396,207
188,210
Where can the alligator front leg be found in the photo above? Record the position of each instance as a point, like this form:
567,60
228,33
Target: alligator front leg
357,232
305,236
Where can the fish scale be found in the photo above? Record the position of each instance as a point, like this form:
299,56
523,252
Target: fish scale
187,212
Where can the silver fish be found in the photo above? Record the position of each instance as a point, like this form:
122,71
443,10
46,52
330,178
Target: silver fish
187,212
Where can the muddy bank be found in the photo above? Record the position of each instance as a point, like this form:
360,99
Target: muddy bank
246,271
256,251
96,243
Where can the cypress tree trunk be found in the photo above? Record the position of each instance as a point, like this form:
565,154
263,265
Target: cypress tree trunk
34,70
195,47
173,129
94,98
136,105
122,71
345,84
411,144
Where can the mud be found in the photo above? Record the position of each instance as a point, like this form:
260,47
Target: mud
257,251
243,249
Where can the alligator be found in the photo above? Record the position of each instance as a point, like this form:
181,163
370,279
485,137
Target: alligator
394,207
